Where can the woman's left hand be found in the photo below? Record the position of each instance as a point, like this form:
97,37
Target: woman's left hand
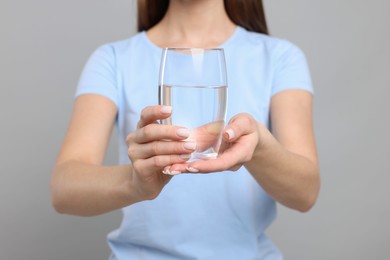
240,139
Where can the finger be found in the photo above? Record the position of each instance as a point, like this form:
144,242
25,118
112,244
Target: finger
203,166
224,146
161,148
178,168
156,132
208,134
151,114
189,168
229,160
239,125
160,162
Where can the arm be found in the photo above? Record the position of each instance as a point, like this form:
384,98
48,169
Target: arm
285,163
81,185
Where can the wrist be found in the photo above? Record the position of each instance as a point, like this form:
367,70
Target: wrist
263,136
128,191
263,150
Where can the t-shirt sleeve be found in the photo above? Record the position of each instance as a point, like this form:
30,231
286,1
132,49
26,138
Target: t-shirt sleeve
99,75
291,71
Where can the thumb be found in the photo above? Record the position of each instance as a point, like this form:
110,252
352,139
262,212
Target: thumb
239,125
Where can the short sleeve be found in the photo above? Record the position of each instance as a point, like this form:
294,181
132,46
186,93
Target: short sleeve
291,70
99,75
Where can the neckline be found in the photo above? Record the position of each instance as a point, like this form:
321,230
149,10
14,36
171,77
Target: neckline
223,45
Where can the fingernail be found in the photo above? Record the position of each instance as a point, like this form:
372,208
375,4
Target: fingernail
166,109
185,156
230,134
167,171
183,132
190,169
190,145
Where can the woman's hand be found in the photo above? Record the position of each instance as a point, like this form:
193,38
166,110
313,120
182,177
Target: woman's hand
240,139
153,147
284,163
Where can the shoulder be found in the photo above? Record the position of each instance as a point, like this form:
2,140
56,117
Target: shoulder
274,46
115,49
108,58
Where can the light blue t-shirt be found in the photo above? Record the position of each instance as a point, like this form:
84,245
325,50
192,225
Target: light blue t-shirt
197,216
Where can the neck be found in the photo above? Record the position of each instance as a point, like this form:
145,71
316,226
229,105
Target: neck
193,23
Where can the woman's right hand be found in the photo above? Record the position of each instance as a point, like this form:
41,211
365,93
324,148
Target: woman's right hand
153,148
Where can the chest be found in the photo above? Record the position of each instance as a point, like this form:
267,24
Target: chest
249,86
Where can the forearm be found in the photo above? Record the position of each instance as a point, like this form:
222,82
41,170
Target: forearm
291,179
86,190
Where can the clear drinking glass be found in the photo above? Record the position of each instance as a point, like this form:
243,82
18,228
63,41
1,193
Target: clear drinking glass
193,81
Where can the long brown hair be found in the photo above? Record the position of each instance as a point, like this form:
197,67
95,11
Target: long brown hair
245,13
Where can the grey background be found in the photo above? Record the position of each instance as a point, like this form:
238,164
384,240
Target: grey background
44,45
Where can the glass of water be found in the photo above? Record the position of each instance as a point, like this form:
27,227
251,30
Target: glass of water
193,81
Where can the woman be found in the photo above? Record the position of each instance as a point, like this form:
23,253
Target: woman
220,215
